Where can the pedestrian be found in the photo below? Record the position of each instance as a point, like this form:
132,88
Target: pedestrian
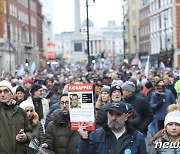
167,141
15,131
58,136
103,98
54,107
37,128
159,101
140,105
115,94
41,104
118,136
20,95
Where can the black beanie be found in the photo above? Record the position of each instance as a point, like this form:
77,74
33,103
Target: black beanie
115,87
148,85
20,88
35,87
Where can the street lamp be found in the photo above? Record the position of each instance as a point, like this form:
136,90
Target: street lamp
87,24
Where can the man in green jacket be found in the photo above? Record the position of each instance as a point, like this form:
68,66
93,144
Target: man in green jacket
15,131
58,136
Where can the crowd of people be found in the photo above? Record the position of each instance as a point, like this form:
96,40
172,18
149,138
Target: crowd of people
127,107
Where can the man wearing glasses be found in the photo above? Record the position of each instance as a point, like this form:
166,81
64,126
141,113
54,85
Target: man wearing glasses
15,131
58,136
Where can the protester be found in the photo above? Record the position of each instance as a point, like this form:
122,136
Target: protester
58,136
37,129
159,101
27,87
20,95
115,93
103,98
41,104
140,105
169,136
63,98
169,85
56,93
118,136
15,131
138,91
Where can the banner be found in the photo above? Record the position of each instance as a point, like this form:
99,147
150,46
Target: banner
20,71
81,106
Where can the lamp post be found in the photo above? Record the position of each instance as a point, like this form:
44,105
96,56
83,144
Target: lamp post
87,24
9,47
8,33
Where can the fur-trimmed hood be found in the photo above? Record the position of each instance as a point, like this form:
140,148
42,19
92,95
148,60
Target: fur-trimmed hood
35,119
59,118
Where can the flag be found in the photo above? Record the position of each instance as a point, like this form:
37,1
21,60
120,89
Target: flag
162,65
32,68
139,64
146,71
2,74
20,71
52,66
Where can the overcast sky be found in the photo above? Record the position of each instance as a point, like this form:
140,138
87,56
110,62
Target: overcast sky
100,13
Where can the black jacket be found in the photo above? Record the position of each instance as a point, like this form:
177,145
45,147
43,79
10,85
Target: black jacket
102,119
142,107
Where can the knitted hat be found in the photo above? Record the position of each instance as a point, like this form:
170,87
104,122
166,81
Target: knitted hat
105,89
28,81
156,78
148,85
115,87
128,86
173,116
133,80
35,87
7,84
20,88
25,104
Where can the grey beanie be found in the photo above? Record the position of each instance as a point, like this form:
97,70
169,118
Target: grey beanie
105,89
128,86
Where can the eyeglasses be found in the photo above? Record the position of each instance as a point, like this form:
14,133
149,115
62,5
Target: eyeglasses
64,102
29,110
5,91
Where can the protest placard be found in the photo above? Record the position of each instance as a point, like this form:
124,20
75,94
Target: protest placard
81,106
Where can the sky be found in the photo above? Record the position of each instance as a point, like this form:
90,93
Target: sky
100,13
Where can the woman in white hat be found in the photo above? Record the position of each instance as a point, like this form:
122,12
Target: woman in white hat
167,141
36,126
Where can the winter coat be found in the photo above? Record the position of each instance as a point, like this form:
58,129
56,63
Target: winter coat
37,132
45,106
162,110
51,110
59,137
12,120
143,109
159,150
100,142
102,119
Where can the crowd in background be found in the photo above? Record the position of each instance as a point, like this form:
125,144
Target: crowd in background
43,96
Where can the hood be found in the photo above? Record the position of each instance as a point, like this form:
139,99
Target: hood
59,118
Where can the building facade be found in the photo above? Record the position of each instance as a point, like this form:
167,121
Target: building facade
20,34
107,41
